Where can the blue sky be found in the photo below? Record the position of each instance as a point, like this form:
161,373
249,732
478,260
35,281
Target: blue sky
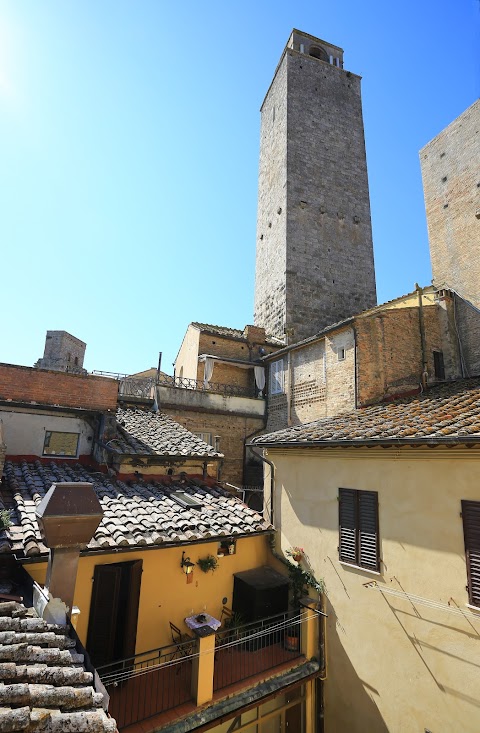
129,135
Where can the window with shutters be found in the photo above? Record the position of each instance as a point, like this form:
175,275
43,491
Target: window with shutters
359,542
471,534
276,377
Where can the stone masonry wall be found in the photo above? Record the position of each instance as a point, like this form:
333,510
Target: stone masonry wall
330,270
451,184
340,372
270,297
322,382
314,243
63,352
468,323
26,384
232,429
389,360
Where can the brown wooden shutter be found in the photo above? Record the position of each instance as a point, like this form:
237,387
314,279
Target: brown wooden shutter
131,618
348,521
368,541
103,613
471,533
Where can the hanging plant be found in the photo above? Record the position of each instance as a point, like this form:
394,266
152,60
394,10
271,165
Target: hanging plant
207,563
296,553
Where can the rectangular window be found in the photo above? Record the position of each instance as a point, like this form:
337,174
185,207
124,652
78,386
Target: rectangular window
438,365
471,534
276,377
341,353
358,520
206,437
60,444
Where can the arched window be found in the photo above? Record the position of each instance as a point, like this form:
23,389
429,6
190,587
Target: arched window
319,53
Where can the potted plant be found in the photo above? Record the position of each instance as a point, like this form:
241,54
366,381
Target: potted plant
296,553
207,563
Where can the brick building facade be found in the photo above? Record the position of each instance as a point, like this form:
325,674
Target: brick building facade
314,263
394,349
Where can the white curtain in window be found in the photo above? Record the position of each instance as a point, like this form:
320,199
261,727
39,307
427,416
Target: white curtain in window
260,378
276,377
207,374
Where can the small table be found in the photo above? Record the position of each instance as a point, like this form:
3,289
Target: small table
202,624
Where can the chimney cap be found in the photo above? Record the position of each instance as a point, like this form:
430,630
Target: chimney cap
69,514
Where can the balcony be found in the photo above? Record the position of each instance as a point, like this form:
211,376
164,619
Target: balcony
200,385
185,676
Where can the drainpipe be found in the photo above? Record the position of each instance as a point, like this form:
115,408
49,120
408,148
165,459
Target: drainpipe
421,324
68,516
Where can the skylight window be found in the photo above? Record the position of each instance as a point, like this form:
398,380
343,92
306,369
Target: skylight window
185,500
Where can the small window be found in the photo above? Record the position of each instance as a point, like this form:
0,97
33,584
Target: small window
341,353
438,365
60,444
206,437
76,361
358,528
471,535
185,500
276,377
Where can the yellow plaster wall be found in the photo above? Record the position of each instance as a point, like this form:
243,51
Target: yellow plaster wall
164,594
187,357
392,665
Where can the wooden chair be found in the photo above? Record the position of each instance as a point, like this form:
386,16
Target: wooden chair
226,616
184,644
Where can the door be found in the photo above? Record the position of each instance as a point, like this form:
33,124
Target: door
112,625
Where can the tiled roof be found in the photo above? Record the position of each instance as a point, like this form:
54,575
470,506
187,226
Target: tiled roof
137,513
236,333
142,432
44,685
445,412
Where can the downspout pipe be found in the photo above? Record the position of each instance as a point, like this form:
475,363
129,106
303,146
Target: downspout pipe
421,324
272,480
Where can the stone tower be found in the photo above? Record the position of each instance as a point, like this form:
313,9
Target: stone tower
451,185
314,263
63,353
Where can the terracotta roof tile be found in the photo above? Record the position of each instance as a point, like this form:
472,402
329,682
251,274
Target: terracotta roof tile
236,333
143,432
450,410
136,513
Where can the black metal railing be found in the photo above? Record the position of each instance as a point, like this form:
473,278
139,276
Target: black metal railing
251,649
227,390
148,683
139,388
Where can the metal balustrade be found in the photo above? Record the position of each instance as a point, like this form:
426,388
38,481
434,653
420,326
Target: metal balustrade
254,648
161,679
227,390
148,683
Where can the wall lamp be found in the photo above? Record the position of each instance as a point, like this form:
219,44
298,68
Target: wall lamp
187,567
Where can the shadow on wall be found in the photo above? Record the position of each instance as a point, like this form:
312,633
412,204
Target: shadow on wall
346,697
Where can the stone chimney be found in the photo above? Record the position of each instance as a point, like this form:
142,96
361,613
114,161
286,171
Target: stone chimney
254,334
68,515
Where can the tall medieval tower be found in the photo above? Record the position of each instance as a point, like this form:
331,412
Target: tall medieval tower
314,263
451,185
